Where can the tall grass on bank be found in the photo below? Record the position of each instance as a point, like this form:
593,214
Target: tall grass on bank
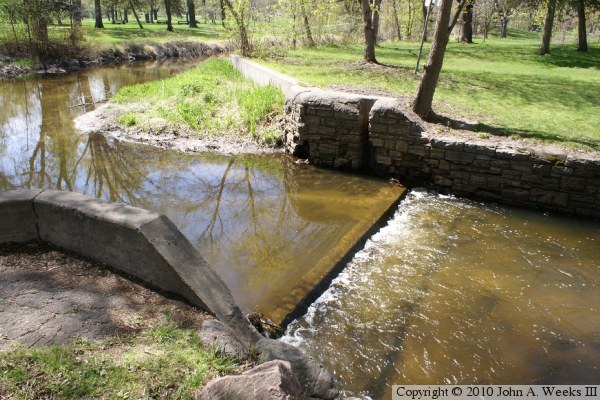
210,99
501,83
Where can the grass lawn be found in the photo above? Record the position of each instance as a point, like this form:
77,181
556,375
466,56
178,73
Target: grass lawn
164,361
501,83
211,99
120,33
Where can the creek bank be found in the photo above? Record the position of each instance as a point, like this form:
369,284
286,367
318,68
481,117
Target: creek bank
116,55
103,120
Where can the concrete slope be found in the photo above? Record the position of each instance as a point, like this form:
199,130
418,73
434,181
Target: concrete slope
138,242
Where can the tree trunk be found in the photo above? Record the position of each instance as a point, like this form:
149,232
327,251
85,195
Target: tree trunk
396,20
222,5
375,16
467,19
548,24
239,20
504,27
425,22
125,15
168,11
77,30
431,70
98,12
409,23
192,13
135,13
582,43
369,54
309,37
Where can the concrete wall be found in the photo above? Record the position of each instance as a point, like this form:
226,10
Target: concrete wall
138,242
262,75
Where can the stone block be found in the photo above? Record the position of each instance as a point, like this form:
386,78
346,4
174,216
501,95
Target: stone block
560,171
549,197
315,381
420,151
478,180
382,159
273,380
480,147
401,146
459,157
510,153
515,195
523,166
377,142
443,181
216,333
448,143
571,183
18,222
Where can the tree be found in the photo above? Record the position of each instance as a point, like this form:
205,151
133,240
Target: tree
506,9
77,29
168,11
582,33
98,14
309,37
239,14
397,29
192,13
467,19
433,67
548,24
370,14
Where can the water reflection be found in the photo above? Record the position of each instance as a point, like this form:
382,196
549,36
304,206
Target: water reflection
455,292
270,228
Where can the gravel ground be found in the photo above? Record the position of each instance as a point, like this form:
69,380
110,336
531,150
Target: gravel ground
50,296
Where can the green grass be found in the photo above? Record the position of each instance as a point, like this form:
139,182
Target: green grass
162,362
502,83
210,99
113,34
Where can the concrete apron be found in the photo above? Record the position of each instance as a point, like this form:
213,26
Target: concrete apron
138,242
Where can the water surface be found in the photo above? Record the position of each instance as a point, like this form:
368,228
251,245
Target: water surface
456,292
272,229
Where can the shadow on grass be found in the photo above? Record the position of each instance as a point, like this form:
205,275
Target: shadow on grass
566,56
480,127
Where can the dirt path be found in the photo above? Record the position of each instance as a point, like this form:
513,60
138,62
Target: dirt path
49,296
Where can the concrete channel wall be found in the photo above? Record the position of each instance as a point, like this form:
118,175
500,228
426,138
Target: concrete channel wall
138,242
378,134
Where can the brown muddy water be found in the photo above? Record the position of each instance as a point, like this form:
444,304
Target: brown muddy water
450,291
457,292
272,229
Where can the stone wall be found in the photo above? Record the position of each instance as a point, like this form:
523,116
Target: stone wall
329,129
378,134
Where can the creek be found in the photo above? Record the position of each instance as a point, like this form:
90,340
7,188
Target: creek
449,291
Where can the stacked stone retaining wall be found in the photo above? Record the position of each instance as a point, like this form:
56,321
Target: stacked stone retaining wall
380,135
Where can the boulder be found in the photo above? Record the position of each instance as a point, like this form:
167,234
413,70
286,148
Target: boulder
215,333
314,379
273,380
